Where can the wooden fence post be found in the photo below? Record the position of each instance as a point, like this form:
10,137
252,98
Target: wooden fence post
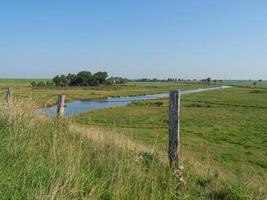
8,95
60,105
174,127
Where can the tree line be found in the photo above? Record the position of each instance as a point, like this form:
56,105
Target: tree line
205,81
83,78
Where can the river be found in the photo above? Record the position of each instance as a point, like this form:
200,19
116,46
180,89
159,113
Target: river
78,106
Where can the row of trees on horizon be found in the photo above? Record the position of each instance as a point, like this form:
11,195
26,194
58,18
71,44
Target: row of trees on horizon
86,78
83,78
206,80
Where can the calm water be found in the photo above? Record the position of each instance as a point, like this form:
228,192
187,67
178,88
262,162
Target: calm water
85,106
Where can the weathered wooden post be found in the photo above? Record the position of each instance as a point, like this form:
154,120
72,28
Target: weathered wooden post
8,95
174,127
60,105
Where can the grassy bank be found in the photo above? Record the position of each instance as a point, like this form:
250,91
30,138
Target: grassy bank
222,129
43,159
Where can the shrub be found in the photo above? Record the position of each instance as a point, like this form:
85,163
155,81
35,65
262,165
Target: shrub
33,84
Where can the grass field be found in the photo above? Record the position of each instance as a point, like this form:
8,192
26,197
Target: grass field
224,130
120,153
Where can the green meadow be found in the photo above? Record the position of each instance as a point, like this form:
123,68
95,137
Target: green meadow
121,152
222,130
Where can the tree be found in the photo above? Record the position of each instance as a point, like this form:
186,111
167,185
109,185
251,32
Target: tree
99,78
254,83
34,84
84,78
116,80
48,83
63,80
41,84
56,80
208,80
71,79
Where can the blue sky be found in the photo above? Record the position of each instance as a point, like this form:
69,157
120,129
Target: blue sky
224,39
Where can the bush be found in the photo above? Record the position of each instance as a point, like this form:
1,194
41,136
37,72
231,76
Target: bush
41,84
33,84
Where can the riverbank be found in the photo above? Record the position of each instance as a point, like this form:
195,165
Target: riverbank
79,106
45,97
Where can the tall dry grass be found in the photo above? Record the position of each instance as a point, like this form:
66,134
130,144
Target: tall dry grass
43,158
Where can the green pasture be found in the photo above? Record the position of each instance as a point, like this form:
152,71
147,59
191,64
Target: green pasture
224,129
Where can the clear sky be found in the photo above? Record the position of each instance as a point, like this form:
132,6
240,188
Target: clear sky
224,39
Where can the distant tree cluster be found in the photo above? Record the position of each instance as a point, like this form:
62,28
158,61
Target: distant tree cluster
255,82
83,78
206,81
41,84
158,80
209,81
118,80
175,80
